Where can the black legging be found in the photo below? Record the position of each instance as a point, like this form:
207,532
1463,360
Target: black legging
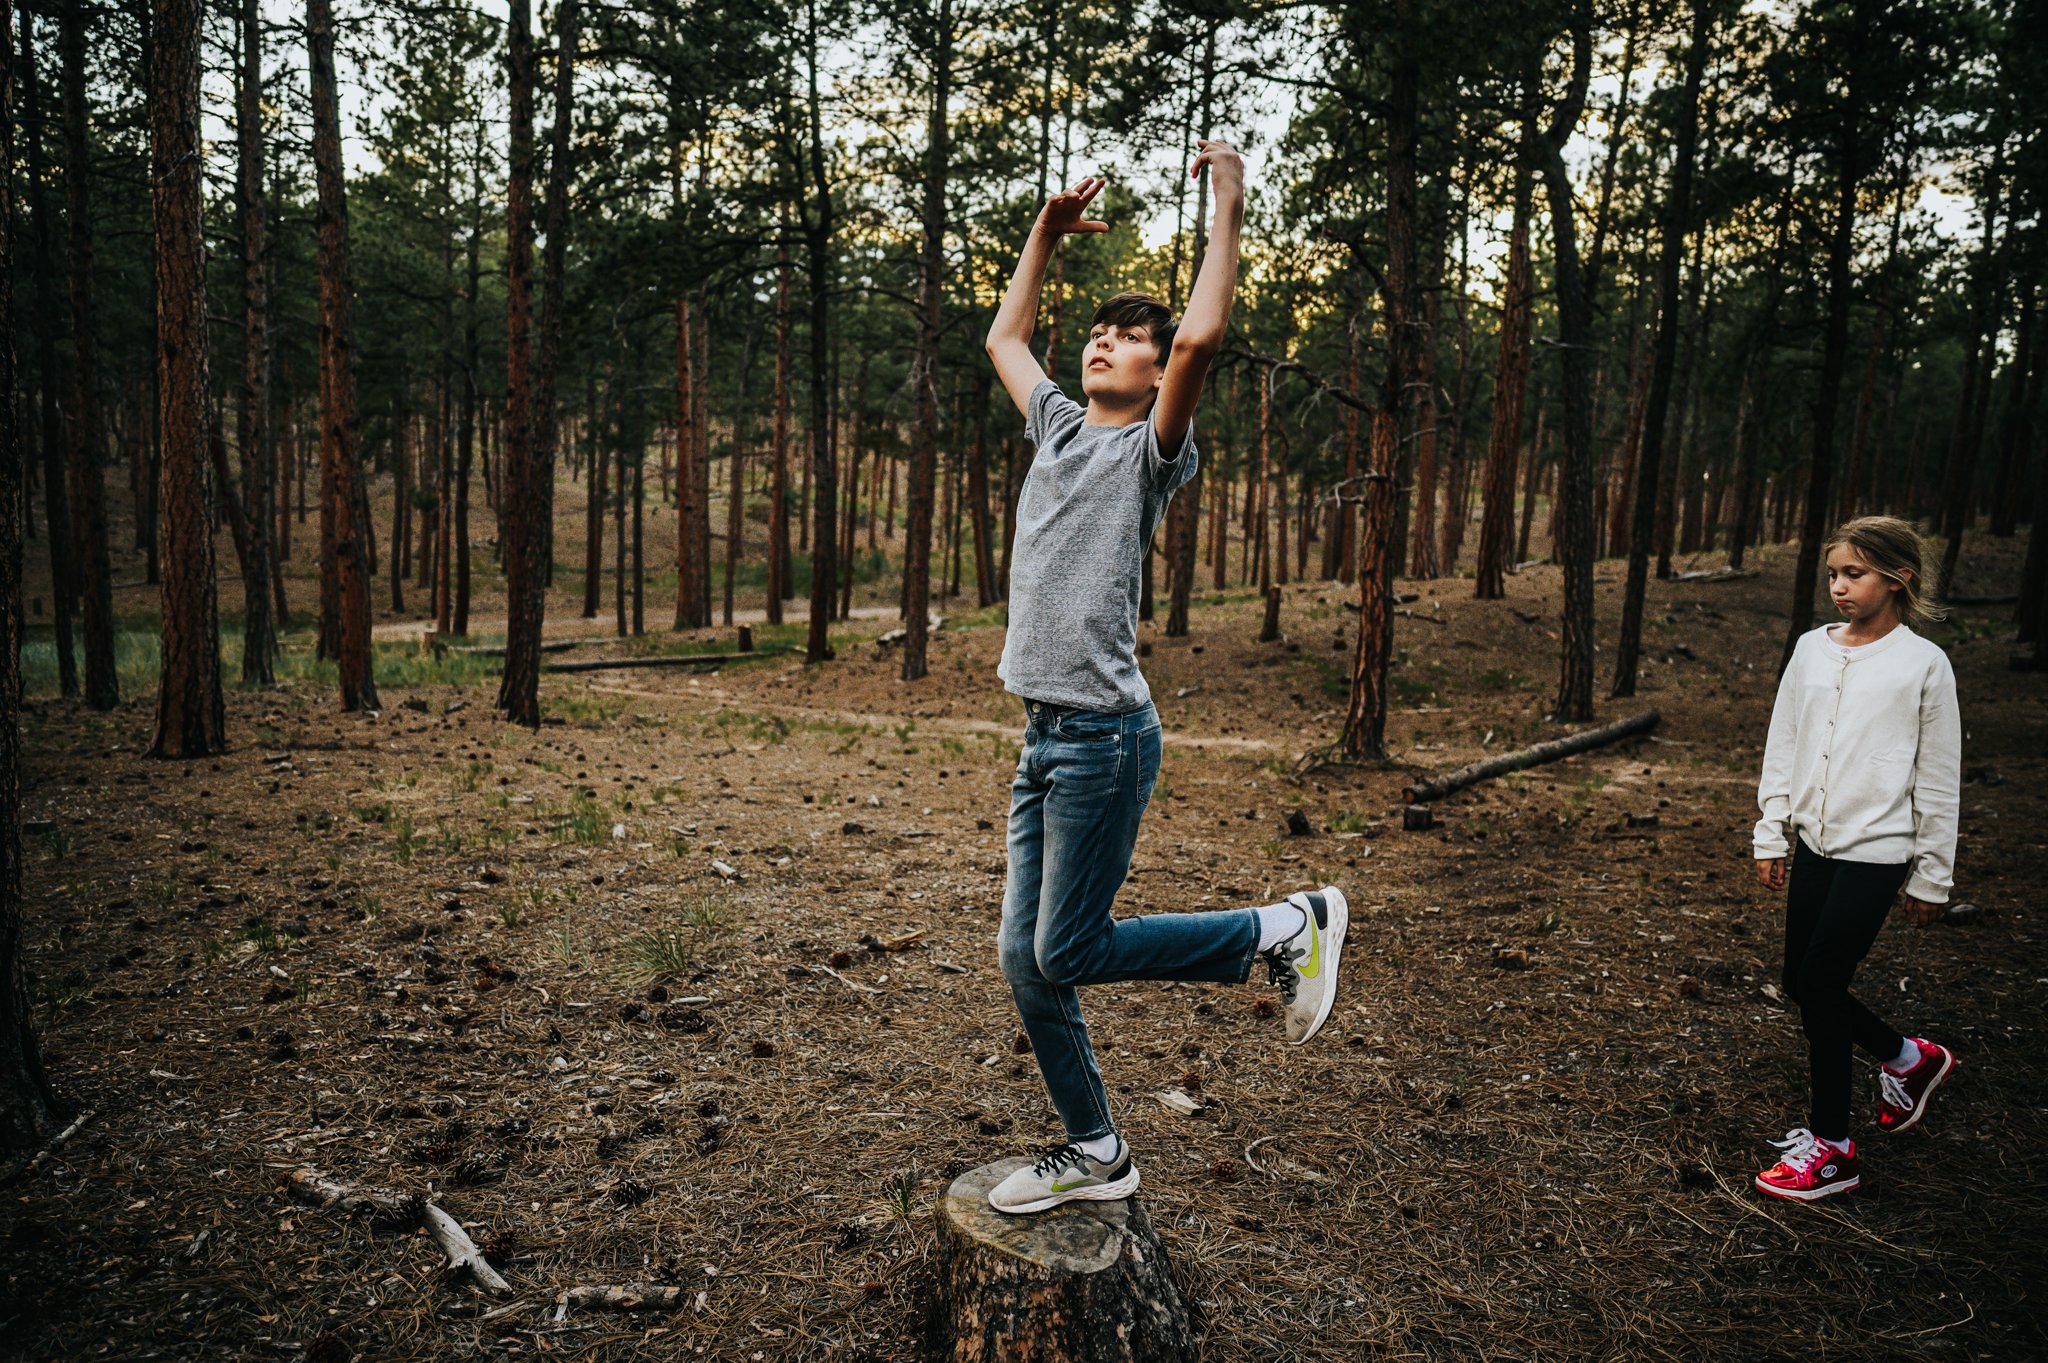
1833,910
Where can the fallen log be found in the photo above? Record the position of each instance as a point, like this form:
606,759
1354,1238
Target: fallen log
622,1297
307,1185
1087,1282
1713,575
326,1194
1531,757
687,660
24,1170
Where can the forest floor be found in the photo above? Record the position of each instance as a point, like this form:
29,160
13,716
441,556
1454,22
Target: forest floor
604,988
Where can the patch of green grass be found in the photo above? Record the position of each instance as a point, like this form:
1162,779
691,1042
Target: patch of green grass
378,812
900,1194
586,821
404,842
1348,821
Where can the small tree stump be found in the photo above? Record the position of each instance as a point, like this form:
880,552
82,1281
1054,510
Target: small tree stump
1087,1282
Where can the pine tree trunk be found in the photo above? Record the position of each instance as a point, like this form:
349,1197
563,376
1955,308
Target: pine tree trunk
519,688
191,719
87,483
466,446
1834,351
1572,512
778,454
259,461
1510,384
823,499
593,532
28,1112
688,512
401,505
1365,719
344,503
50,430
1677,213
924,376
1531,480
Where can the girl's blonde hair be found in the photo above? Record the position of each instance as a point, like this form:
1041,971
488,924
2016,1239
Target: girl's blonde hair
1893,547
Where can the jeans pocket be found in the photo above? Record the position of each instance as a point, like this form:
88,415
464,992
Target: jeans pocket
1086,726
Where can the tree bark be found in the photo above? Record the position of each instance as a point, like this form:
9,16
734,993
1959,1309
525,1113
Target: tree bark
50,431
1834,352
736,499
1084,1283
778,454
689,512
259,461
593,531
931,292
1677,213
191,719
1510,384
1572,511
1365,720
29,1112
819,225
88,485
1982,357
519,688
344,503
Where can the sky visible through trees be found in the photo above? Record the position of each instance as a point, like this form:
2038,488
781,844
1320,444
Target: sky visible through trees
737,214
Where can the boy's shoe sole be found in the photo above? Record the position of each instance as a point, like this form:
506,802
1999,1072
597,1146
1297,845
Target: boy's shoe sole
1338,909
1948,1065
1094,1192
1808,1194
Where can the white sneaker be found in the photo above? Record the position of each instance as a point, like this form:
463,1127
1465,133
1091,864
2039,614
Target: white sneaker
1305,965
1066,1175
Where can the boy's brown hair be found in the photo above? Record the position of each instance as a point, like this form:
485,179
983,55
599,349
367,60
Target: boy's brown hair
1140,310
1893,547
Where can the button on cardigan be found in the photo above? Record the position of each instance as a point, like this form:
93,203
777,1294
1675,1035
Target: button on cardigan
1864,759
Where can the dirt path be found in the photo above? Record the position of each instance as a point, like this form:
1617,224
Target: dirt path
611,990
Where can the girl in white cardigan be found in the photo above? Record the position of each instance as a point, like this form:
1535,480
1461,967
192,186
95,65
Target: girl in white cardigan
1861,783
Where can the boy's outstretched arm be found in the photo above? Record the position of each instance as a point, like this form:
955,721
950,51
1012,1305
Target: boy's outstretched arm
1009,336
1202,327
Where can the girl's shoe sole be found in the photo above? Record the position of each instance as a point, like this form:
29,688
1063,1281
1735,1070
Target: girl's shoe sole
1812,1195
1948,1065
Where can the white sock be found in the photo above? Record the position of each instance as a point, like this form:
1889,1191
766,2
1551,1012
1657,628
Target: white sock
1906,1059
1278,923
1102,1149
1841,1147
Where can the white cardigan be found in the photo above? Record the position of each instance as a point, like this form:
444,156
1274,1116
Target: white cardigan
1864,760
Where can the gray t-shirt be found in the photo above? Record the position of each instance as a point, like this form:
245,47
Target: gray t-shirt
1085,518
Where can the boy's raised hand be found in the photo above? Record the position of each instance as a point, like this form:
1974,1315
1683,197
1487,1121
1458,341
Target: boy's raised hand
1065,213
1226,166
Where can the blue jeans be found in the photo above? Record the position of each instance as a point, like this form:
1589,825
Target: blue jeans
1081,787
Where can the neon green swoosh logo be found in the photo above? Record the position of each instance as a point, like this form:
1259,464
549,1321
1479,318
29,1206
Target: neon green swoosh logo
1069,1187
1315,948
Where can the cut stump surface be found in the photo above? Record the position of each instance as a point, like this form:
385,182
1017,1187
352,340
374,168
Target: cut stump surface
1083,1282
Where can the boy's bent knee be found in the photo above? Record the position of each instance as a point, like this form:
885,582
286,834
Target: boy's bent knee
1019,961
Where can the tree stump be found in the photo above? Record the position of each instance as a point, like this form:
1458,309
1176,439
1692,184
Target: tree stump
1087,1282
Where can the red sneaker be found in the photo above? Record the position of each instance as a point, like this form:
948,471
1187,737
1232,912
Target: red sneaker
1902,1098
1811,1168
